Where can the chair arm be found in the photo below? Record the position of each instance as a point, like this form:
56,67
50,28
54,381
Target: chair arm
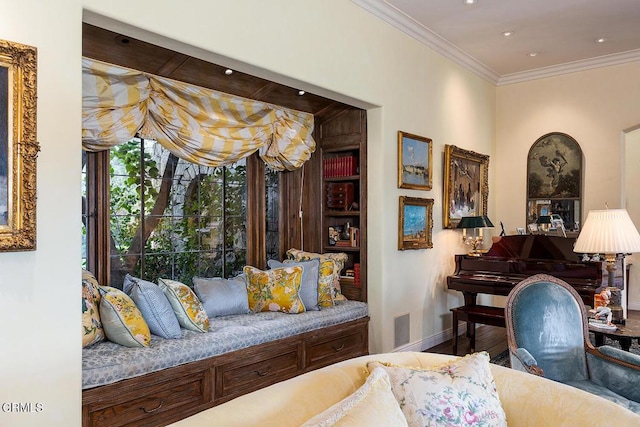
619,354
615,369
525,362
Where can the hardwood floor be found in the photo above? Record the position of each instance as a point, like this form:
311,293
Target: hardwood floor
492,339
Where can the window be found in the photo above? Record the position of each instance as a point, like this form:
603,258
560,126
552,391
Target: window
150,214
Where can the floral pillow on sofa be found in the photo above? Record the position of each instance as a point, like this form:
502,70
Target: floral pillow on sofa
339,258
275,290
92,331
460,392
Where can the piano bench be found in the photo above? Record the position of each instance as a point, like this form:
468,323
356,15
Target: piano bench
473,314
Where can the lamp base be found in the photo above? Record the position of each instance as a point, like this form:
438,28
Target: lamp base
617,314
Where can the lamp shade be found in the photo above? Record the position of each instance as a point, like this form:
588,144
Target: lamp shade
474,222
544,219
608,231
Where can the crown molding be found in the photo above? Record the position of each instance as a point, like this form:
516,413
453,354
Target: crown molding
404,23
571,67
399,20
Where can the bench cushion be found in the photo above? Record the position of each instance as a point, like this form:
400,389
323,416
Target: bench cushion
107,362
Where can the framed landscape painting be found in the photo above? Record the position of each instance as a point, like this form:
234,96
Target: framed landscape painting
415,223
466,185
414,161
18,146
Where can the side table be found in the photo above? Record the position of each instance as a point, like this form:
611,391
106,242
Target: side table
623,334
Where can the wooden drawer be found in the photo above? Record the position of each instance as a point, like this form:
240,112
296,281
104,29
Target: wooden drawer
344,343
163,404
253,372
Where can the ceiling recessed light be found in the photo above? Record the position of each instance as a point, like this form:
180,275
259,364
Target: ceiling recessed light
532,54
228,71
507,33
601,40
300,92
468,2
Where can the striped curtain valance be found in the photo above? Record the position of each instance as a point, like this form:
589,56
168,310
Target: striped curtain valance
200,125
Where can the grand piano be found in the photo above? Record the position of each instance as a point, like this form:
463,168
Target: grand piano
514,258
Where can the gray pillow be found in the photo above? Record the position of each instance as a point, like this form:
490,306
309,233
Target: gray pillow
222,297
154,306
309,282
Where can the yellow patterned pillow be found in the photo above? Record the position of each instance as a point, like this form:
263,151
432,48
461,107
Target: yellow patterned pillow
92,331
339,258
186,305
326,274
275,290
122,321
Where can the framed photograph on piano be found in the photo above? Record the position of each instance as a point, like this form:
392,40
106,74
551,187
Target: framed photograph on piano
466,185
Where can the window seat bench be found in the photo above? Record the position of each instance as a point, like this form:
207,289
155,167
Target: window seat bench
173,379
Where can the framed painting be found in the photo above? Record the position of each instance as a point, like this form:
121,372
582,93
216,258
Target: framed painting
414,161
466,185
554,179
415,223
18,146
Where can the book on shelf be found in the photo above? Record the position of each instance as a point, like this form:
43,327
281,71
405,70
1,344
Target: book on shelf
356,274
354,237
334,167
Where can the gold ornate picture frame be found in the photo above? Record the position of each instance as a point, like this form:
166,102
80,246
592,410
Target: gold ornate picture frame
415,161
415,223
466,185
18,146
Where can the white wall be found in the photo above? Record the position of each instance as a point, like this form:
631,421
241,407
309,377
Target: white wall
39,306
594,107
330,47
632,205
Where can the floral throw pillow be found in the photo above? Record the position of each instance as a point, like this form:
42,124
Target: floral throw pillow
326,274
186,305
339,258
460,392
92,331
122,321
275,290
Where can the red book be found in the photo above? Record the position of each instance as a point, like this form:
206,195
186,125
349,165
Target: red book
356,275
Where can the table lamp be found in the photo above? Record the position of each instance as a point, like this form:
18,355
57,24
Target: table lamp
477,223
544,222
609,232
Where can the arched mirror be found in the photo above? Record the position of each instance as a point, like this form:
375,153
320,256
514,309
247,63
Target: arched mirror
554,185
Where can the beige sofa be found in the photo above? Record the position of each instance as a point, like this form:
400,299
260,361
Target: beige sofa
527,400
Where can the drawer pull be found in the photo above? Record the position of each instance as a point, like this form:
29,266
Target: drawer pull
339,348
149,411
264,373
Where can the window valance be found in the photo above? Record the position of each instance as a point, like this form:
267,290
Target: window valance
197,124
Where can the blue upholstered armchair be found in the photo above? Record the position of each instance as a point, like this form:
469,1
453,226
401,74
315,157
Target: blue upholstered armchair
547,334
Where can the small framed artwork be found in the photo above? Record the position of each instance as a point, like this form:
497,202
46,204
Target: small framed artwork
466,185
521,231
18,146
415,223
414,161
